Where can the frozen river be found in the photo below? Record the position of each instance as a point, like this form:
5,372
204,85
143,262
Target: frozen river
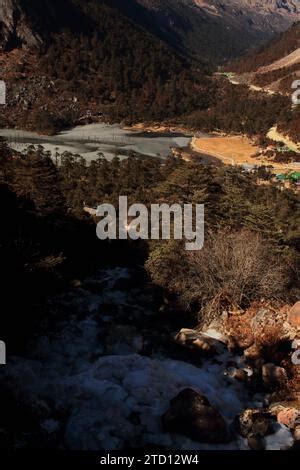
89,140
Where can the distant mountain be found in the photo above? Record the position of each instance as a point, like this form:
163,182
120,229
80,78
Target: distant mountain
214,29
207,29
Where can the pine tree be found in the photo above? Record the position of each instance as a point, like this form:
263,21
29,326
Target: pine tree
37,179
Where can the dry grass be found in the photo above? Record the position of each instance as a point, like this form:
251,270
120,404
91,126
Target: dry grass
232,150
238,150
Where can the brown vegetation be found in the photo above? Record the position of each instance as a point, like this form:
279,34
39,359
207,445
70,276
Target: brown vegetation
233,269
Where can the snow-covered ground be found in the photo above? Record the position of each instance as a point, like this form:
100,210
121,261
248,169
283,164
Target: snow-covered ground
93,371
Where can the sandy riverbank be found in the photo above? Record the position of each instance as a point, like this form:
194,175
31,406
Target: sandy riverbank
236,150
157,128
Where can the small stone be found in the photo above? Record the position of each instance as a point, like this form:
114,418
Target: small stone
240,375
273,376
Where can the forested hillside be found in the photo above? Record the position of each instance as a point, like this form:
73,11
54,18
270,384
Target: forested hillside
275,65
270,52
214,30
47,240
108,67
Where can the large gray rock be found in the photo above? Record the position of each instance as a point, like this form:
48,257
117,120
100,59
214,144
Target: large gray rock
192,415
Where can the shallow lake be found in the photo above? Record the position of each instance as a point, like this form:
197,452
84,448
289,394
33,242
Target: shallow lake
89,140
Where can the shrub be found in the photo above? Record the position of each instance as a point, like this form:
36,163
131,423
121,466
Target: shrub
232,270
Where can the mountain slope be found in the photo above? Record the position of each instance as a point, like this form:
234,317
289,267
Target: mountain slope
112,66
274,66
207,29
27,23
107,66
214,29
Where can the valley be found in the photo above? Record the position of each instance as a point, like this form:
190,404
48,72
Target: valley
138,344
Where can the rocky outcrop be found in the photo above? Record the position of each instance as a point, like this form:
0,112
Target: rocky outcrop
29,23
294,316
192,415
15,29
193,26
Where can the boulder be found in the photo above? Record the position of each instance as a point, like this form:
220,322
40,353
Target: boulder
192,415
294,316
273,376
199,341
288,417
256,423
286,413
